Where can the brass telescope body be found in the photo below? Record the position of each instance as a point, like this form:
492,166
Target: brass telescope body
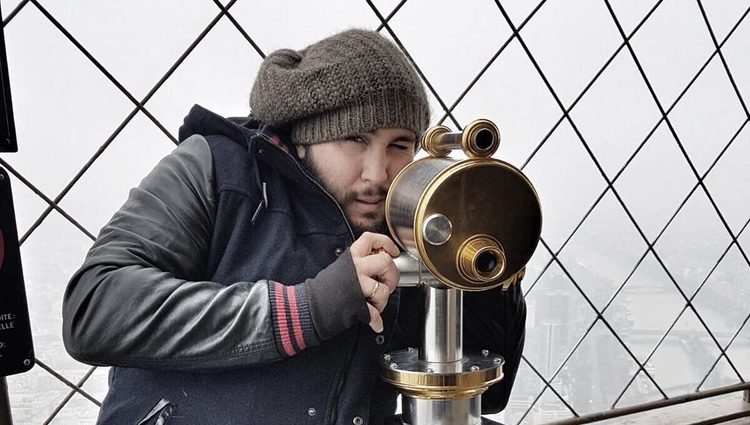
487,210
468,225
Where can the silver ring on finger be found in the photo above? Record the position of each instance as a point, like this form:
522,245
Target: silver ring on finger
374,290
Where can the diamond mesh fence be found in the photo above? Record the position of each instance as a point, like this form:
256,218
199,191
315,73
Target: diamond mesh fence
630,118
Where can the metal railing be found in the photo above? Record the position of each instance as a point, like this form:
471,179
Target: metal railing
718,417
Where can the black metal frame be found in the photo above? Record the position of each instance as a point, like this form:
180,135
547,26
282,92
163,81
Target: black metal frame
224,12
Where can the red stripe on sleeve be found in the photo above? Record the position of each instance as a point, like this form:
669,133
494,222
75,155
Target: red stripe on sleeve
295,317
286,342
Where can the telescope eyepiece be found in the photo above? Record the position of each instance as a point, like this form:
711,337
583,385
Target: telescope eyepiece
481,259
479,139
485,262
485,139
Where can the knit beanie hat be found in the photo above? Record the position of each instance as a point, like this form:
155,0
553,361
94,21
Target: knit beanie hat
349,83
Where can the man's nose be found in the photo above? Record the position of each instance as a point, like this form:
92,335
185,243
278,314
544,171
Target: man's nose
375,168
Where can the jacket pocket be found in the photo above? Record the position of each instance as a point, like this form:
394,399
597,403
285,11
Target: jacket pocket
159,414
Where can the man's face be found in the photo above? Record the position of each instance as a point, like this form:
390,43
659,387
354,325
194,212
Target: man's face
358,171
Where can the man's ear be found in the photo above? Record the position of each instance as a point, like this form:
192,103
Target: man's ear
301,151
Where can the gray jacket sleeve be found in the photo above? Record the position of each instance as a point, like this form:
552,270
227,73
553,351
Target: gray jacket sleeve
135,301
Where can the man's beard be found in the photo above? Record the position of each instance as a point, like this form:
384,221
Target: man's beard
348,198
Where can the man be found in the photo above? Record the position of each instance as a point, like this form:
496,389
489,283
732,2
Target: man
240,283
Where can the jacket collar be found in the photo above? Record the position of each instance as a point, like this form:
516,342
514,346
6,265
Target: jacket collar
266,144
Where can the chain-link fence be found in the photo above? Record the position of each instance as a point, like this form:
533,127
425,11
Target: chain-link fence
629,117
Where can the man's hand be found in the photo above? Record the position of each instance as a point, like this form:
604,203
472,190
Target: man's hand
378,276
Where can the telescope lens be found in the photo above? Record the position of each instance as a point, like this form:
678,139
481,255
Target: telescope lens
481,259
484,139
486,262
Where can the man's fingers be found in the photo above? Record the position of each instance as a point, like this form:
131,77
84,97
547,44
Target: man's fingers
380,267
391,275
375,293
372,242
377,273
376,322
389,246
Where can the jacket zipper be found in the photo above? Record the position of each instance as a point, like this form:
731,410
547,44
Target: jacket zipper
309,177
342,378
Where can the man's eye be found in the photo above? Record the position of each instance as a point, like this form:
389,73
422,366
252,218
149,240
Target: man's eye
357,139
402,147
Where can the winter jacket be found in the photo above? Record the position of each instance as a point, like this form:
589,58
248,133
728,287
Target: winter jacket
223,292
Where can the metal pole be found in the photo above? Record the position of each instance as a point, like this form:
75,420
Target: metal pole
5,418
442,412
441,347
440,384
442,329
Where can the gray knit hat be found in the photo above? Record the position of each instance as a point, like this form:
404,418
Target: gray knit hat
349,83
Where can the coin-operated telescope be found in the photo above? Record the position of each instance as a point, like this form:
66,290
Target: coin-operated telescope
467,225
